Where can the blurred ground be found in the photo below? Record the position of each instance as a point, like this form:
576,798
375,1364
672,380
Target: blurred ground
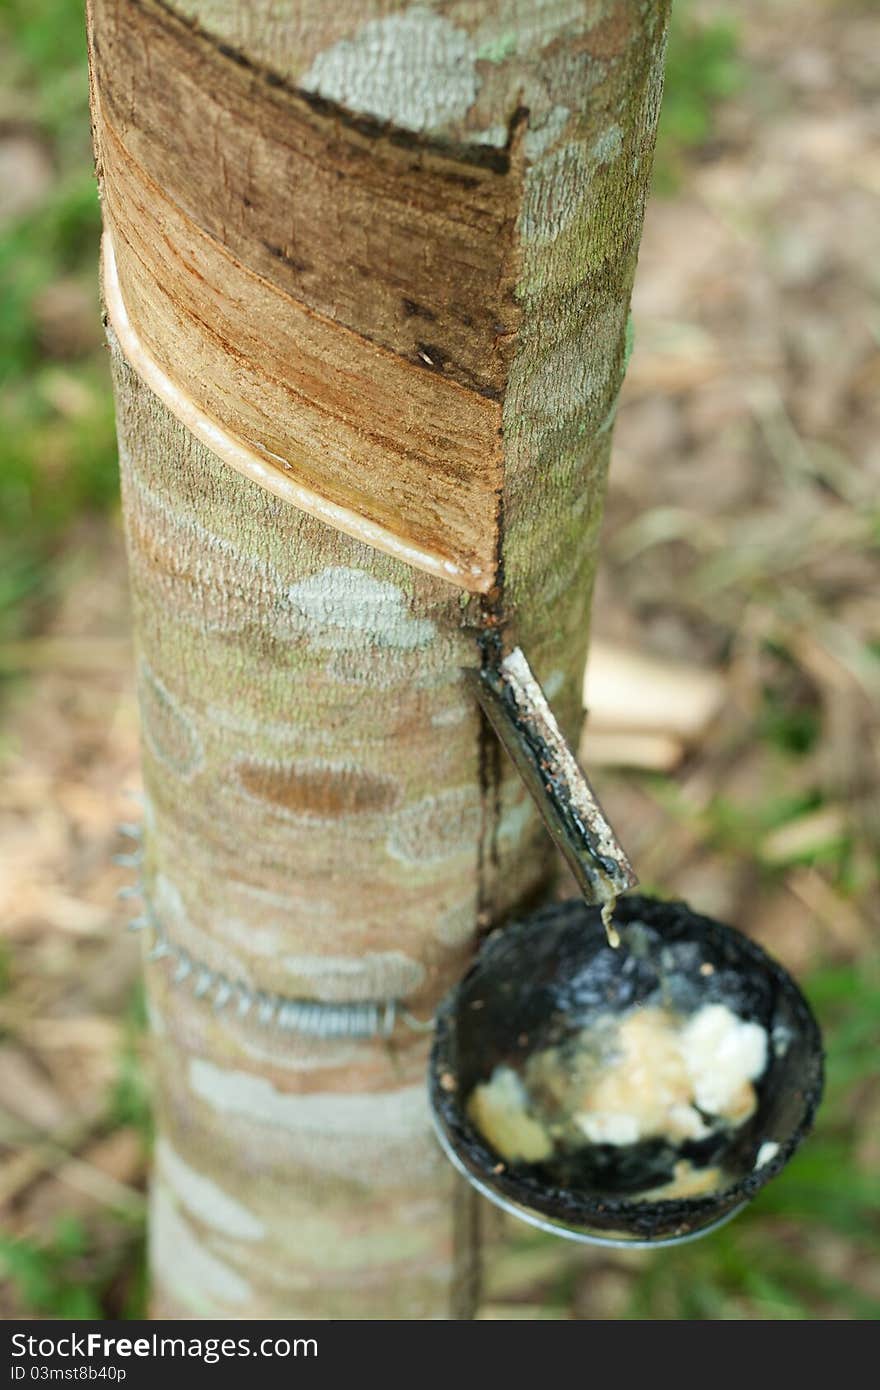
742,536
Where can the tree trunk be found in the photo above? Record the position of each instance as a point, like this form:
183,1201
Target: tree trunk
367,275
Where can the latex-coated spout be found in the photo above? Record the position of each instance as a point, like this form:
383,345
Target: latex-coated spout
523,720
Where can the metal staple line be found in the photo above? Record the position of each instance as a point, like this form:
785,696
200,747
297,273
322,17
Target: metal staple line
310,1017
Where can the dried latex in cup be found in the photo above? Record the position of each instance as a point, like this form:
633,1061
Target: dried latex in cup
642,1094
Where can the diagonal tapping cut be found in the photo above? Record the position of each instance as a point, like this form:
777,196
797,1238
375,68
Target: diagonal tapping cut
256,464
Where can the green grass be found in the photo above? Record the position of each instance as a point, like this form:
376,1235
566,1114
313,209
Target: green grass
129,1100
702,68
94,1268
57,446
65,1275
49,1276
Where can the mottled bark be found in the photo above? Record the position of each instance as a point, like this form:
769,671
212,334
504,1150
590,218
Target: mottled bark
327,817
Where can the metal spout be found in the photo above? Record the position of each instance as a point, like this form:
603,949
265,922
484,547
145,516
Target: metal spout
518,710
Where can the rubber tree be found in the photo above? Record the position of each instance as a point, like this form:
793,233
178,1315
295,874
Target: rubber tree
367,269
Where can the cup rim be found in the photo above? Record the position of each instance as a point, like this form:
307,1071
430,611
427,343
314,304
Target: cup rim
573,1207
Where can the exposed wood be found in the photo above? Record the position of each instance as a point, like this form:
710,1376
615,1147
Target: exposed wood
266,470
337,210
240,291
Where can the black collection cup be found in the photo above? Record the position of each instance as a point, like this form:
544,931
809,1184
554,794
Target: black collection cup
539,982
